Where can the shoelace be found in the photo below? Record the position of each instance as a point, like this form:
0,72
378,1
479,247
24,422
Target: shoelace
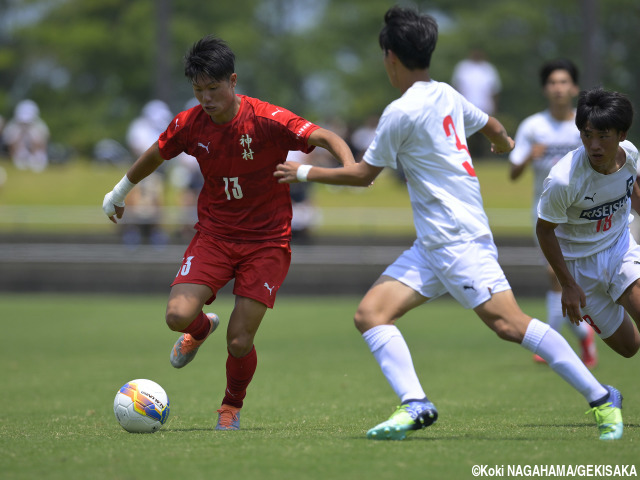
189,343
599,415
227,417
400,409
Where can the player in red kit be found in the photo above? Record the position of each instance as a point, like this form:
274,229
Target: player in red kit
244,214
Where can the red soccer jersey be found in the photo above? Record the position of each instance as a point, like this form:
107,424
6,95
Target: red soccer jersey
241,200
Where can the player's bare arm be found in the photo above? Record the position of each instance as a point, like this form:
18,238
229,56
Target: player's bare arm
537,150
335,145
145,165
497,135
357,175
573,297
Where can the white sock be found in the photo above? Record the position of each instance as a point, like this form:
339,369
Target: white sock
554,310
392,353
550,345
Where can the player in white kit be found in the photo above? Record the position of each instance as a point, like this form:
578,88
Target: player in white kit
424,131
541,141
583,223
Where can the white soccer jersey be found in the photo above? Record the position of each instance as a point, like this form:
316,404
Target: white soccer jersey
425,131
592,209
559,137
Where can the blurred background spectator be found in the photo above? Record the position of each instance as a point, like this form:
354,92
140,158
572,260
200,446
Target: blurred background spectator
145,129
305,214
143,223
362,136
26,137
3,172
479,82
186,178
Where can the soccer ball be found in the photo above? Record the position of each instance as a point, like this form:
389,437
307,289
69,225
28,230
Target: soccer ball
141,406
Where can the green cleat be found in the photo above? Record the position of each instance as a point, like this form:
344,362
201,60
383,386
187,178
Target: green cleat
186,347
411,415
609,415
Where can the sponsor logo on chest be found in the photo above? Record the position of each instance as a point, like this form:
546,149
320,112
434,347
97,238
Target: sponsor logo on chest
245,143
607,209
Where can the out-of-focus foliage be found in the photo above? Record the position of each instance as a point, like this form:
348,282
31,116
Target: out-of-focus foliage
91,65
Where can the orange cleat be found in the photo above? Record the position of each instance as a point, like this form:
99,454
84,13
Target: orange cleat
186,347
228,418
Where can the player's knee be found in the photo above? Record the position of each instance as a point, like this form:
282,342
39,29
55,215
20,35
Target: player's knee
240,346
628,351
507,331
362,321
177,321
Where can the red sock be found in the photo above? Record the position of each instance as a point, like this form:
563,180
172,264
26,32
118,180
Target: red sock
199,328
239,374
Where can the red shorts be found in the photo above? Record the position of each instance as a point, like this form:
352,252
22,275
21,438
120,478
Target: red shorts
258,268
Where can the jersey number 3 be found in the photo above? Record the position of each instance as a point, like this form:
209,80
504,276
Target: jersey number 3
450,128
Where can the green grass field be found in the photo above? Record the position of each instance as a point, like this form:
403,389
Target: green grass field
68,198
315,393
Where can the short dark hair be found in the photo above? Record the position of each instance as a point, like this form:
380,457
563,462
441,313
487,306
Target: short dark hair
209,57
410,35
559,64
604,110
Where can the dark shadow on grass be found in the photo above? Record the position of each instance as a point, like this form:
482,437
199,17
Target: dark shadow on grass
422,437
192,429
427,438
205,429
575,425
414,438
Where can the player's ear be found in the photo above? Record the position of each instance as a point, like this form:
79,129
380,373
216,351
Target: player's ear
622,136
575,91
391,55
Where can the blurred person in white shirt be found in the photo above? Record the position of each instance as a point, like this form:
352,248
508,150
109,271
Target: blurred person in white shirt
26,136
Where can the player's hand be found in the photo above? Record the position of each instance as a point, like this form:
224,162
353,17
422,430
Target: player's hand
287,172
500,149
112,209
573,299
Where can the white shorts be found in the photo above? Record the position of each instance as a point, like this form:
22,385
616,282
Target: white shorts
470,272
604,277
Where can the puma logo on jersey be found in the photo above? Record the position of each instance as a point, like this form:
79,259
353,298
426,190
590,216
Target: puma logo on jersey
277,111
176,127
468,287
206,147
269,288
591,198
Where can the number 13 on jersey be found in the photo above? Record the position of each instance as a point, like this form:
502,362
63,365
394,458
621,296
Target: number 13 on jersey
232,187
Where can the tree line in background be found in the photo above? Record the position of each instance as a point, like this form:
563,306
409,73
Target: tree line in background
92,65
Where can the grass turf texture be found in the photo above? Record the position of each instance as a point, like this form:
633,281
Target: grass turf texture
83,184
315,393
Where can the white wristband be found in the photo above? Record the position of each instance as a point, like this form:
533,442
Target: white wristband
303,171
121,190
